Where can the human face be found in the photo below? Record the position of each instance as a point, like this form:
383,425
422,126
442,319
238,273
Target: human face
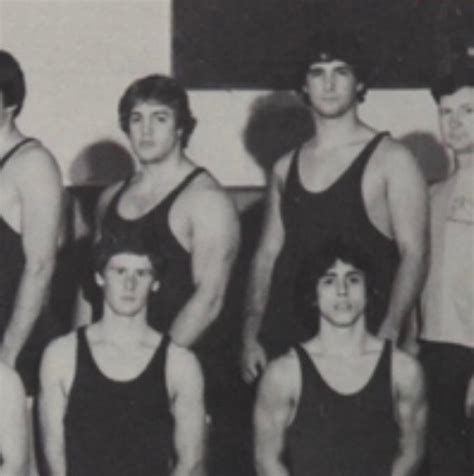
127,281
153,132
331,88
456,114
341,294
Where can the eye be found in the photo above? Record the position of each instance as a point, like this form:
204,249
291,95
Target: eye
160,117
327,281
135,117
469,109
444,111
142,273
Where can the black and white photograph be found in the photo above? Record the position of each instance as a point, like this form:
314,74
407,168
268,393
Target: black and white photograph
236,238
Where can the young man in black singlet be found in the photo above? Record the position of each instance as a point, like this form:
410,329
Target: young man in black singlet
344,403
30,210
175,204
117,397
13,424
349,181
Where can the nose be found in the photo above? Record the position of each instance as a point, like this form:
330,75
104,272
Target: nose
328,82
130,282
146,127
341,287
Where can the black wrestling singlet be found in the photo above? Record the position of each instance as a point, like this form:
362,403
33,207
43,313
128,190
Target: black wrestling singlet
343,435
176,285
118,428
310,220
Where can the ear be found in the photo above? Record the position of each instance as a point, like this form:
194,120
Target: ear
155,286
99,279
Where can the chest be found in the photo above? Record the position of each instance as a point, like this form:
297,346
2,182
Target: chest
347,375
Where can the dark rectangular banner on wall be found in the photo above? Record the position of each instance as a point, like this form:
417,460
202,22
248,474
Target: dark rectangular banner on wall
257,43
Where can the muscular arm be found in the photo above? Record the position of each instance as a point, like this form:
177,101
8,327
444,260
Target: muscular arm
52,403
13,425
39,186
214,246
411,410
408,205
272,416
271,242
186,389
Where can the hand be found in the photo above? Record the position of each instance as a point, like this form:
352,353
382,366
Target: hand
469,402
388,332
254,360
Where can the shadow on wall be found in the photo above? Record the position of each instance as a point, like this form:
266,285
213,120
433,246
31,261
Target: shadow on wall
101,163
278,123
430,154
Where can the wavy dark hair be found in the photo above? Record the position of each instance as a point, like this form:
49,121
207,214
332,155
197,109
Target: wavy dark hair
12,82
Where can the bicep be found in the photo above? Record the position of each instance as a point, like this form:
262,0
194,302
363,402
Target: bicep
186,388
215,242
408,202
41,210
272,236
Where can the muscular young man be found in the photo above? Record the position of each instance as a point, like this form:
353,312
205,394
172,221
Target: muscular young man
13,425
175,204
30,209
117,397
447,335
344,403
347,181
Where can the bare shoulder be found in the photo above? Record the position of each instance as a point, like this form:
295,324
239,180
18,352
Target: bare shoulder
407,373
282,376
395,157
207,198
11,387
59,357
183,371
35,161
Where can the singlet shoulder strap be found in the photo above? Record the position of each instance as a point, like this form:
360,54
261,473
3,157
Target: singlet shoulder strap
12,151
369,149
383,369
186,181
307,365
292,175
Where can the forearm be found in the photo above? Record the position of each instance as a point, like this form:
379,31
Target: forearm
407,463
256,300
406,288
27,307
56,462
196,316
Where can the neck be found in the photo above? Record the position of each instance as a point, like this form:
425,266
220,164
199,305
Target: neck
9,136
164,170
343,341
123,329
331,132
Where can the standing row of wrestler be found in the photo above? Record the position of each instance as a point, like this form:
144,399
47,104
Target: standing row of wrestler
375,202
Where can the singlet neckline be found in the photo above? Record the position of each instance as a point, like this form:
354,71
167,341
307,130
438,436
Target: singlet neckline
83,335
173,192
363,154
372,375
10,152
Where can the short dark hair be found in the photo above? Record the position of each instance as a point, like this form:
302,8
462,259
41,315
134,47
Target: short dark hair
131,242
161,89
315,267
461,74
331,45
12,82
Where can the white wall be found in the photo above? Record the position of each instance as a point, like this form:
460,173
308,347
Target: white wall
79,55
